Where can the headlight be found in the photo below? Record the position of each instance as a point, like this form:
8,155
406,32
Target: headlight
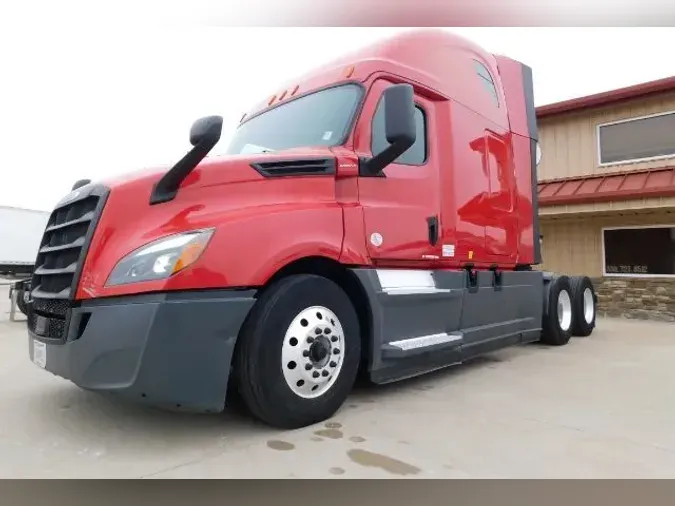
160,259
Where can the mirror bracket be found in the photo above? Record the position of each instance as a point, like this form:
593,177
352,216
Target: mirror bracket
365,169
204,135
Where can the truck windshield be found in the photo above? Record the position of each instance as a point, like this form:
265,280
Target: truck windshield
319,119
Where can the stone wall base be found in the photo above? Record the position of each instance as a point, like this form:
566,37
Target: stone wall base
636,298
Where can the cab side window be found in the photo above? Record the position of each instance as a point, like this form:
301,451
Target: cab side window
486,81
417,153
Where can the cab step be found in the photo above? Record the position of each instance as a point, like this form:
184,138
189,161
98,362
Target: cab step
422,344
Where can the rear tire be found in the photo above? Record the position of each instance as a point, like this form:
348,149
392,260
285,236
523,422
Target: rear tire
584,306
300,326
558,317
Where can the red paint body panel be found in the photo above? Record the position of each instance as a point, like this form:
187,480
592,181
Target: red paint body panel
261,224
397,206
511,75
436,60
477,181
485,191
523,131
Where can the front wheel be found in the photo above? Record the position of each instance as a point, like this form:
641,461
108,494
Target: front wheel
299,352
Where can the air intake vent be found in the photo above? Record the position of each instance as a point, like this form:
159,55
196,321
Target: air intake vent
296,167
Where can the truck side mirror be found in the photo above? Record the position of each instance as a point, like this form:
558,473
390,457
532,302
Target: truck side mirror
204,135
400,129
206,130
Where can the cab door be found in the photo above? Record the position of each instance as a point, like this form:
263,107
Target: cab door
401,206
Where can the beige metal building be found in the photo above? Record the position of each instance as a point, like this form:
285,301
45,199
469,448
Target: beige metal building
607,195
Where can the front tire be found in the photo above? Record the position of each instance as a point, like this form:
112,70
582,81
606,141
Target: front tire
299,352
558,314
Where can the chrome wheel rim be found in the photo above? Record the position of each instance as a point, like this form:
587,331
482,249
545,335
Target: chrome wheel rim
564,310
589,305
312,352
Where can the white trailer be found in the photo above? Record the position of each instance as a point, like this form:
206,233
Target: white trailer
21,231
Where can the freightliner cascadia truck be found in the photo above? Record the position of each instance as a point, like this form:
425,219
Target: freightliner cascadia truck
378,217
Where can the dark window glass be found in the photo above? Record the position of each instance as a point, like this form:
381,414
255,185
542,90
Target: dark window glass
637,139
486,81
417,153
640,251
319,119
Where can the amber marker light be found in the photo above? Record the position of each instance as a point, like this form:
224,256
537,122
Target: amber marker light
191,252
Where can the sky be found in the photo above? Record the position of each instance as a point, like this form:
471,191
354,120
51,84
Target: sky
91,101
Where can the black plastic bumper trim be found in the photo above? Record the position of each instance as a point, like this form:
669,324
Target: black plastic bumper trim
170,350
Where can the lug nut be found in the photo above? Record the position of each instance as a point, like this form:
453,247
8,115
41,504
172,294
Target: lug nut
334,339
327,331
317,331
310,340
305,353
315,374
324,373
333,364
336,351
308,367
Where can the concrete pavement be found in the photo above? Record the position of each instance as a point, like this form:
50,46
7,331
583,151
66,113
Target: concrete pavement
601,407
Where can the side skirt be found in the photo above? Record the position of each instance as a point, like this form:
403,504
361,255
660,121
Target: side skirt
427,320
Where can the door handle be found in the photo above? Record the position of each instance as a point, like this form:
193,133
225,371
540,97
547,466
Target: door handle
432,223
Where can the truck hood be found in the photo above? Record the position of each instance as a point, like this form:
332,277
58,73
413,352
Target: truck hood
223,192
215,170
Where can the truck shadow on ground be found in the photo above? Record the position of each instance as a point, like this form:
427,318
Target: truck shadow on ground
81,416
367,392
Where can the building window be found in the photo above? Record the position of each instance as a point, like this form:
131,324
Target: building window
417,153
647,251
486,81
637,139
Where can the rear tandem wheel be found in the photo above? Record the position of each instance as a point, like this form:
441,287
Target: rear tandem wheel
558,317
584,305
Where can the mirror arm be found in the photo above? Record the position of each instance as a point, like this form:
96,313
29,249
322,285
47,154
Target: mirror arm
167,187
204,135
375,165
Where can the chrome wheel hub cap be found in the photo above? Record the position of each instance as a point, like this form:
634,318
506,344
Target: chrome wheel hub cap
312,352
589,305
564,310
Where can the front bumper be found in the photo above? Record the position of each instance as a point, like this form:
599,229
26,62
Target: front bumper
170,350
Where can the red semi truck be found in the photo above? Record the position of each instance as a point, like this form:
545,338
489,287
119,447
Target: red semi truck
378,217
